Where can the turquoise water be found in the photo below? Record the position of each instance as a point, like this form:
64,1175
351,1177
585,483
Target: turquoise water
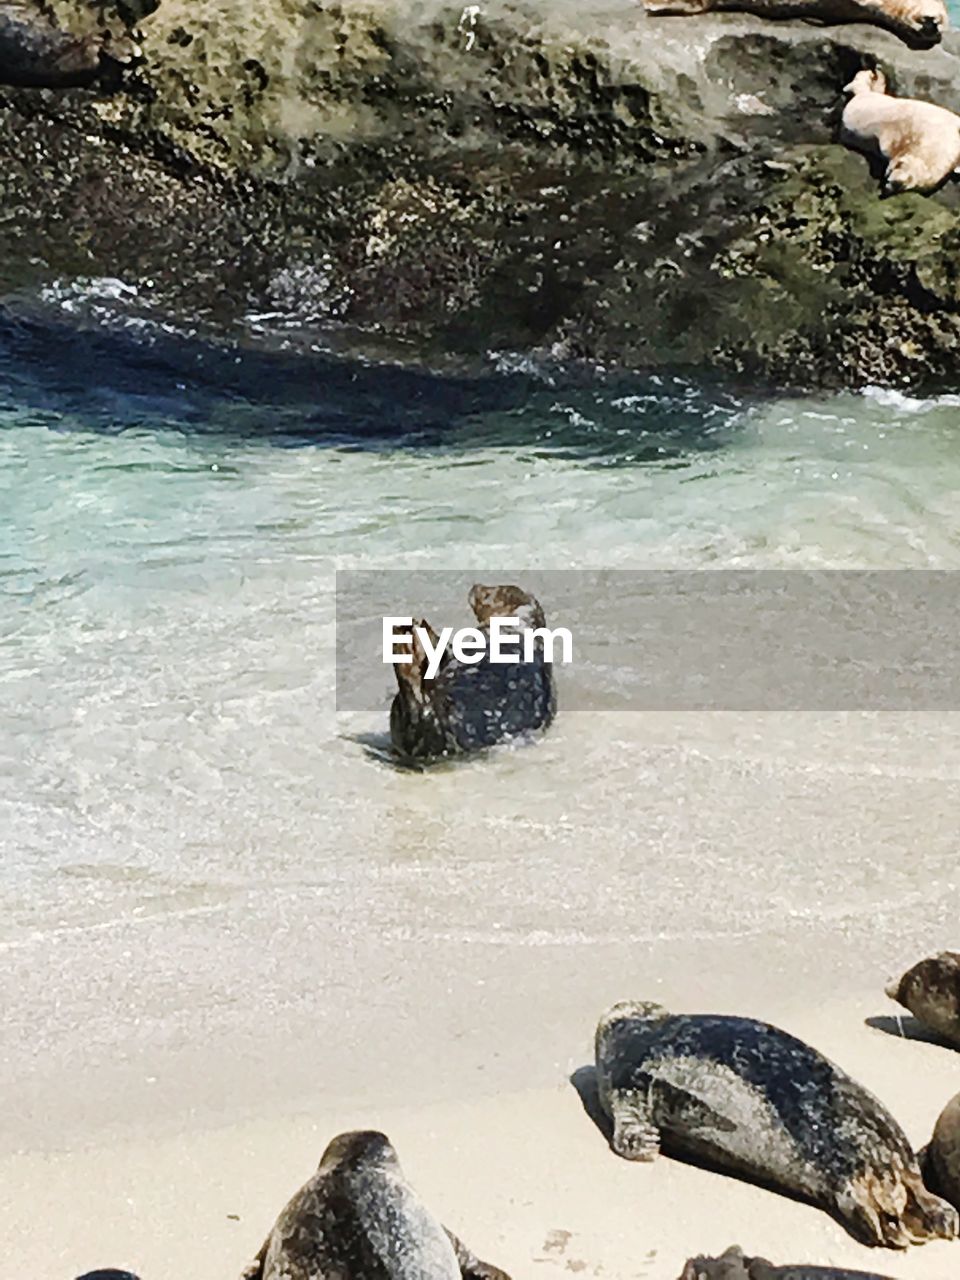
171,529
193,836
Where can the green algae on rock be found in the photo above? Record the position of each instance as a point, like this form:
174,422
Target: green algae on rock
431,183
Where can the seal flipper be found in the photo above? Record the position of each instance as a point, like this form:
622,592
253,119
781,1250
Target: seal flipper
635,1134
471,1268
254,1270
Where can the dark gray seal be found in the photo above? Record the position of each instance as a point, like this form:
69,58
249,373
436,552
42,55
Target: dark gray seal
734,1265
941,1167
756,1101
35,53
931,991
469,707
359,1219
108,1275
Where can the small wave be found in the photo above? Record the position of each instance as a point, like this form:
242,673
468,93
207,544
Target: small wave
900,402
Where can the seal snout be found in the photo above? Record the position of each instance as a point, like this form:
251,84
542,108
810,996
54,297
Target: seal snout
892,989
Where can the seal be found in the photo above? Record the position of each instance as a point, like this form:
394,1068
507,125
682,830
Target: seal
918,23
754,1100
109,1274
734,1265
359,1219
941,1167
931,991
468,707
35,53
919,141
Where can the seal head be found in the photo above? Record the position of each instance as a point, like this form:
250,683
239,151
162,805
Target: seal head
931,991
358,1218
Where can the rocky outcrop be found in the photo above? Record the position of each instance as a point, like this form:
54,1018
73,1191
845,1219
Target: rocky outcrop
430,184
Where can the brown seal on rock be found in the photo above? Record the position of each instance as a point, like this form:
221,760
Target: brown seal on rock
931,991
359,1219
941,1168
754,1100
919,23
919,141
734,1265
467,707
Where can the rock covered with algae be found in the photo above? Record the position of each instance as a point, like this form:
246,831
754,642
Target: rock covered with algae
431,183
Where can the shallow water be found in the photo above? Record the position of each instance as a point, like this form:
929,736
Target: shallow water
171,764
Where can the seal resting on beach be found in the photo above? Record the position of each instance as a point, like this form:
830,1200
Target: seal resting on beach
35,53
108,1275
359,1219
734,1265
931,991
754,1100
919,23
941,1167
467,707
919,141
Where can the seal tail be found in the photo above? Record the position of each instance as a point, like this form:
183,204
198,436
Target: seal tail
892,1208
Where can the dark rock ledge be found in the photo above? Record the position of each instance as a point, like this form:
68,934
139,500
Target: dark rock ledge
427,184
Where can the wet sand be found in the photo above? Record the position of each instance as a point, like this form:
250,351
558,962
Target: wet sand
176,1056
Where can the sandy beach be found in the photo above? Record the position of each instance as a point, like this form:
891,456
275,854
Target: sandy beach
524,1177
173,1069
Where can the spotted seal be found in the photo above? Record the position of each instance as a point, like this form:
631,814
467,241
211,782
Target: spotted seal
941,1167
734,1265
467,707
918,23
359,1219
757,1101
109,1274
931,991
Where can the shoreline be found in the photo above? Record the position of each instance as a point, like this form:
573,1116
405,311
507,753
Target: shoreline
524,1177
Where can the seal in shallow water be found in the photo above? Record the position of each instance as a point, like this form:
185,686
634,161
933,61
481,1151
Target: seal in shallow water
733,1265
756,1101
941,1168
468,707
931,991
34,53
359,1219
919,23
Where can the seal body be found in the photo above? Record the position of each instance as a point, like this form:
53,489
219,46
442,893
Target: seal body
757,1101
919,141
34,53
919,23
941,1170
467,707
734,1265
931,991
359,1219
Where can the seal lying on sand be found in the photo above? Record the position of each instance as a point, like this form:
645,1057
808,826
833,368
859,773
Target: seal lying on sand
467,707
759,1102
919,140
931,991
34,53
941,1168
108,1275
359,1219
732,1265
919,23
